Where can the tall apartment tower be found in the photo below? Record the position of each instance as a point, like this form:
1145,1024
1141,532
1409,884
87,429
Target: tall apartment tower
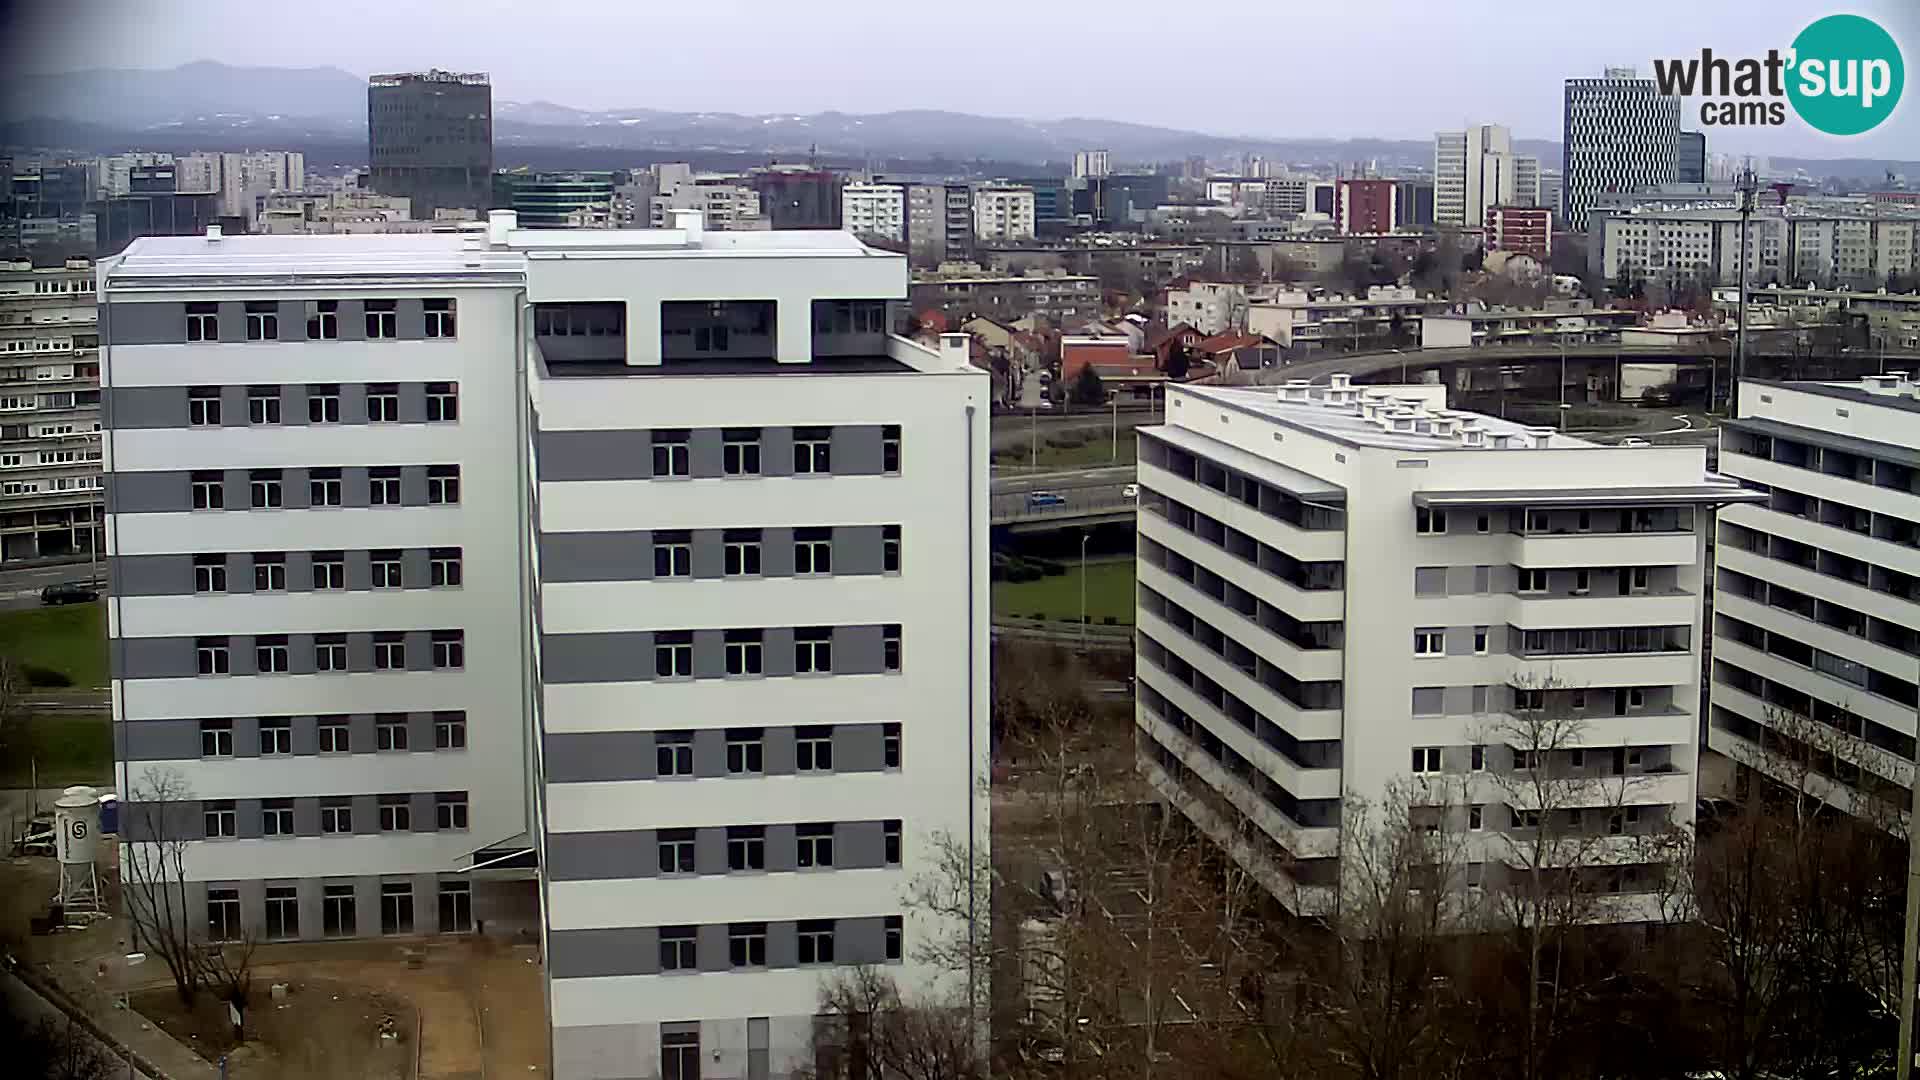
1621,134
430,138
1817,602
1344,588
49,412
626,587
1476,169
1088,163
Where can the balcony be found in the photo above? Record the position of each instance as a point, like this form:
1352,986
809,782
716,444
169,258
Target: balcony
1532,611
1306,664
1303,782
1271,872
1310,725
1302,841
1575,550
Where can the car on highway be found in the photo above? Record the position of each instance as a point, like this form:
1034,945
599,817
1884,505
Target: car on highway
1046,405
1131,491
1037,500
70,592
1632,440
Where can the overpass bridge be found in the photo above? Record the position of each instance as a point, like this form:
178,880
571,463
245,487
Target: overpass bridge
1405,363
1087,497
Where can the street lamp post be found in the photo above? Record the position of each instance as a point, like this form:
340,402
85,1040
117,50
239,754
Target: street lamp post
1085,536
1116,427
1903,1052
1033,438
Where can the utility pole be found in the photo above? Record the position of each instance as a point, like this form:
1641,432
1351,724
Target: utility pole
1084,537
1903,1053
1116,427
1747,186
1033,439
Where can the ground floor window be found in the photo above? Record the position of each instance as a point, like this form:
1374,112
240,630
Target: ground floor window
456,907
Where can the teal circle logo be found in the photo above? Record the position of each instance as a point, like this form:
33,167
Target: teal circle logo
1847,75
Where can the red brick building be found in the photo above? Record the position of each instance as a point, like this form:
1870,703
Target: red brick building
1525,229
1366,207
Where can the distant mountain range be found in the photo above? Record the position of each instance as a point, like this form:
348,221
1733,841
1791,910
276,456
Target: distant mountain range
226,107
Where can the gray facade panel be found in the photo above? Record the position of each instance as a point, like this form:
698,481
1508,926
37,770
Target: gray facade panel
174,820
361,734
144,324
710,850
239,572
306,815
148,492
413,403
233,320
600,856
413,485
857,650
709,751
584,658
704,453
421,809
709,654
856,450
856,549
777,650
246,817
233,406
415,571
777,751
306,729
712,947
411,322
353,320
595,455
419,646
151,575
783,945
782,849
860,941
419,730
858,748
129,408
359,569
155,658
300,655
353,403
366,821
579,954
246,736
776,451
360,657
159,740
709,553
589,756
776,552
859,845
598,556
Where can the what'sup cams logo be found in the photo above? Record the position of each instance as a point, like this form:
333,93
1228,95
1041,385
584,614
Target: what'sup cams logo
1843,76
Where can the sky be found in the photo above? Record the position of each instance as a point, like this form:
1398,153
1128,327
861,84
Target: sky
1266,68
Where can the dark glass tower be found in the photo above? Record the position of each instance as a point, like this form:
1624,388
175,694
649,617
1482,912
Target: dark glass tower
430,138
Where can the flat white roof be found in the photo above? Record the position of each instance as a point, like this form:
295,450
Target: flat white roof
1343,424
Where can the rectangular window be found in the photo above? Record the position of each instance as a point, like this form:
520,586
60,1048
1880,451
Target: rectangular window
1582,582
263,489
747,945
1537,521
673,754
456,907
439,313
890,745
210,653
672,553
323,403
383,319
396,813
336,817
1480,641
746,847
1428,522
746,749
263,320
812,450
675,851
209,573
209,491
269,572
203,406
276,817
813,650
443,568
813,749
742,552
219,819
1533,581
816,941
443,402
336,736
890,449
1637,579
385,565
744,652
449,731
895,941
329,570
450,810
276,736
1476,817
389,651
223,914
1529,700
890,650
890,842
443,485
671,453
383,403
396,907
673,654
323,320
813,551
263,404
740,451
889,549
816,846
336,910
1483,523
203,322
449,650
680,1055
1426,759
1429,642
216,738
325,487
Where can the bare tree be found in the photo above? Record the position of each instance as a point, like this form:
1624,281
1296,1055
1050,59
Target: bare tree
49,1049
153,874
866,1030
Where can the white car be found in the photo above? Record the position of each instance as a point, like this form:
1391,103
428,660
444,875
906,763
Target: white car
1634,441
1131,491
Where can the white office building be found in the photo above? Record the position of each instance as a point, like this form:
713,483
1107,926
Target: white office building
1817,599
49,412
1344,587
1088,163
1620,134
875,210
1476,169
627,587
1002,214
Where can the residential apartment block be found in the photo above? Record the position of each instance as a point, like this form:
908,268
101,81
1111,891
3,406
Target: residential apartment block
1475,170
1817,599
1344,588
624,587
49,412
998,296
1002,214
874,210
1794,245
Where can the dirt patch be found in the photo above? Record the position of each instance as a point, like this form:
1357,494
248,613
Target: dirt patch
321,1031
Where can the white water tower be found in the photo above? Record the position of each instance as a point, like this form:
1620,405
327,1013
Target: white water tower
76,827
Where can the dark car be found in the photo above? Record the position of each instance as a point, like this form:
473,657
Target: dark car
70,592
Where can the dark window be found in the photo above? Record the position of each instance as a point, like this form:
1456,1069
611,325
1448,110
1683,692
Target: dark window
890,745
439,313
890,833
203,322
383,485
813,650
678,948
890,647
209,573
676,851
443,484
889,549
895,936
383,403
283,911
742,552
673,753
383,319
325,487
396,907
670,453
263,320
389,651
890,448
746,847
443,402
680,1055
813,749
740,451
744,652
816,941
323,403
449,650
812,450
269,572
450,810
209,491
813,551
323,320
203,406
673,654
745,751
276,735
672,553
747,945
216,738
443,567
815,843
449,731
263,489
390,732
335,735
329,570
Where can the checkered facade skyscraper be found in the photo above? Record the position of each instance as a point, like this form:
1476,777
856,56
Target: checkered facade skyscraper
1621,134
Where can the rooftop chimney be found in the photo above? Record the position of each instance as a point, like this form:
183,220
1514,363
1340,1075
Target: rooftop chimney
1295,390
1540,436
691,222
1340,380
499,224
1501,439
213,234
1473,435
955,349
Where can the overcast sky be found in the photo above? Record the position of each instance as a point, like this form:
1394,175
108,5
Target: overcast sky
1389,68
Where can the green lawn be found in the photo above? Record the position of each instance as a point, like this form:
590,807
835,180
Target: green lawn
70,638
68,748
1109,593
1095,451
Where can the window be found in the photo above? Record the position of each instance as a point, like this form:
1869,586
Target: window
1483,523
1429,642
890,842
1537,521
210,653
673,654
449,731
747,945
396,907
816,846
672,553
1479,641
389,651
1476,817
1582,582
1529,700
396,813
203,322
890,449
263,489
443,484
673,754
269,572
329,570
670,453
1636,698
745,751
385,564
1637,579
383,403
335,735
740,451
383,485
743,652
1577,758
208,491
209,573
203,406
813,551
263,404
680,1055
813,749
383,319
1577,701
276,817
336,817
276,736
816,941
746,847
813,650
889,549
1533,581
1584,521
1528,760
223,913
443,568
1428,522
1426,759
450,810
456,907
1479,758
323,403
890,745
895,937
742,552
812,450
449,650
675,850
336,911
263,320
443,402
323,320
216,738
1524,819
324,487
219,819
439,313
